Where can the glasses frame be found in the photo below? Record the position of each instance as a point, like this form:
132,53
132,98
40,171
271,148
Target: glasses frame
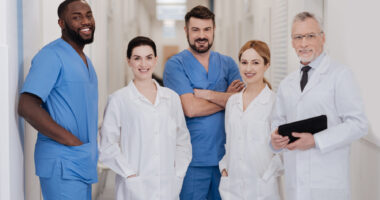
308,36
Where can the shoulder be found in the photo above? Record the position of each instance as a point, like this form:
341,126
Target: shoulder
119,95
224,58
337,68
176,59
170,93
288,79
49,51
233,99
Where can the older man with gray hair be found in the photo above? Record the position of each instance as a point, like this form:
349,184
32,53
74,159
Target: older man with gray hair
317,165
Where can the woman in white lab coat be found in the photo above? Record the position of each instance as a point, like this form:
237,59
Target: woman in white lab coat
144,138
249,169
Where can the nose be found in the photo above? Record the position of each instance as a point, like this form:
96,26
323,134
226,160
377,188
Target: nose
143,63
304,42
202,34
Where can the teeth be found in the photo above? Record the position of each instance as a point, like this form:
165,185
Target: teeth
143,70
249,74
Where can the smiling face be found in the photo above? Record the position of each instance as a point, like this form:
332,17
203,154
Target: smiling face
77,23
142,62
200,34
308,48
252,67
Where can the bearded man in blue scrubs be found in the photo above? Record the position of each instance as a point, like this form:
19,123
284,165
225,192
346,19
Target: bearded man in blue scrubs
204,80
60,99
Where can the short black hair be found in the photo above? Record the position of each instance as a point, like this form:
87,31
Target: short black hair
200,12
63,6
140,41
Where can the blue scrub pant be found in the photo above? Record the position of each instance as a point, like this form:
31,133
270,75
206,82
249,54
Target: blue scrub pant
201,183
56,188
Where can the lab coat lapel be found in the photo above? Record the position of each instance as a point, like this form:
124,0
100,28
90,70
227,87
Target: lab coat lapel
317,76
294,82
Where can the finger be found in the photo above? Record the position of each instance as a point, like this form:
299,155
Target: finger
281,139
234,82
295,134
241,83
292,145
241,87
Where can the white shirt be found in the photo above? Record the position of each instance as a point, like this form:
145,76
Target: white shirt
151,141
251,166
322,172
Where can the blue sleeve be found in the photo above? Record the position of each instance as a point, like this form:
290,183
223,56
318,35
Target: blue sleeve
233,71
43,74
175,77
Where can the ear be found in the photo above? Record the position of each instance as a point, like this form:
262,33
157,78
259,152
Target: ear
128,61
266,67
323,37
61,23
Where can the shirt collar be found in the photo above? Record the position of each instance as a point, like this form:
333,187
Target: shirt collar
262,98
135,93
316,62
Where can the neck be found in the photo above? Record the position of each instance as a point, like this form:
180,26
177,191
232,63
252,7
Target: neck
78,47
200,56
144,84
254,88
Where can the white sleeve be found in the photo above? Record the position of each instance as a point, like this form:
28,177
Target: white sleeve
109,145
350,109
278,115
223,162
183,152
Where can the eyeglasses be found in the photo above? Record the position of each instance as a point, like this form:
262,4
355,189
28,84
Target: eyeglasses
309,37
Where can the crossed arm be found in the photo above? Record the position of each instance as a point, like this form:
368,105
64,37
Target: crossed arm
30,109
207,102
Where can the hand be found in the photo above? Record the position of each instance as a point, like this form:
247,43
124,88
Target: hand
224,173
235,86
203,94
132,176
278,141
305,142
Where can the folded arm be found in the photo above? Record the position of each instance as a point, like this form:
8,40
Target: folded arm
220,98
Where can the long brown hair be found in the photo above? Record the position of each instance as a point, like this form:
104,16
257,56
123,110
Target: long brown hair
262,49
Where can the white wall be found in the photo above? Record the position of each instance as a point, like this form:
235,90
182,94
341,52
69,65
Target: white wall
352,38
4,108
11,145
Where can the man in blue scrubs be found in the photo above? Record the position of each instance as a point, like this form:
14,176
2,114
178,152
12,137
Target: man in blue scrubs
60,99
204,80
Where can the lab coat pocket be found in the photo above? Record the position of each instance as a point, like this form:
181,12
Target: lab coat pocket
135,188
268,190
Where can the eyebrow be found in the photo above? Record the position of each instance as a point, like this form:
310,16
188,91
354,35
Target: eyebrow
79,13
143,56
256,59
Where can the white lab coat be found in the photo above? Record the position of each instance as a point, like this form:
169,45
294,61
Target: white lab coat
252,168
149,140
321,173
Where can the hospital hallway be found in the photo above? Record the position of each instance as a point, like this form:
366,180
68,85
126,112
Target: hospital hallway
352,38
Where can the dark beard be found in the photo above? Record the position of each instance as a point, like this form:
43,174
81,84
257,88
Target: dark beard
75,36
194,48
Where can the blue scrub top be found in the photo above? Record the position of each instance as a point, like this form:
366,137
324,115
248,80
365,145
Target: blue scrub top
69,91
183,73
